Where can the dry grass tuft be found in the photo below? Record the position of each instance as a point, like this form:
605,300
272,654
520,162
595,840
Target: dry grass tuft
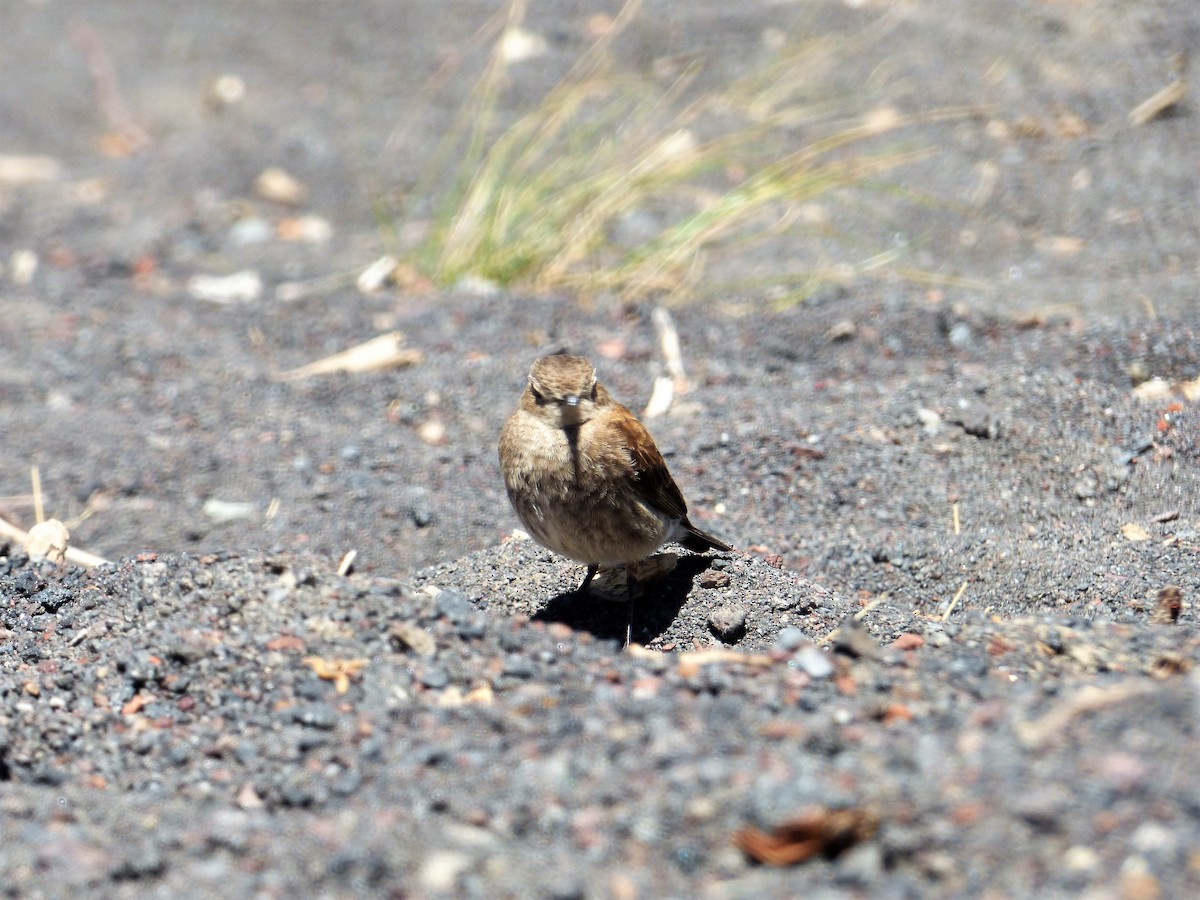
537,205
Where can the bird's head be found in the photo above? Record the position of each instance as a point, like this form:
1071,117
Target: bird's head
563,391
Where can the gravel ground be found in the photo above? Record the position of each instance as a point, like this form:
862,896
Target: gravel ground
954,654
166,728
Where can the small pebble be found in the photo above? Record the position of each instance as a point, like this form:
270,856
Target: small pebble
975,418
861,865
728,622
441,870
413,637
516,666
908,641
420,503
930,420
960,336
1155,841
455,606
432,432
240,287
308,229
249,231
790,638
435,678
1081,860
842,330
854,640
815,662
315,715
279,186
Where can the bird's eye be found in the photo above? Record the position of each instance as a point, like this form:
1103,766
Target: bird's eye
538,398
593,393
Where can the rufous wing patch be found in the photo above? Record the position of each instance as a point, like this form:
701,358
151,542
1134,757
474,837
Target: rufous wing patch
652,480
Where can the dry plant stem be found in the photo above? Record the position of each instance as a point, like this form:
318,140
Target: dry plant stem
35,479
383,352
74,554
795,178
690,663
515,177
473,208
636,167
477,112
668,337
108,90
538,202
660,398
630,586
451,62
771,93
1091,698
1154,106
954,602
1148,305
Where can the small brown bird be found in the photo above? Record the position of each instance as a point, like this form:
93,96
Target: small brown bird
584,476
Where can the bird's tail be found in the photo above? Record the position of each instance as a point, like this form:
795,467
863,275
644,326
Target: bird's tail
699,541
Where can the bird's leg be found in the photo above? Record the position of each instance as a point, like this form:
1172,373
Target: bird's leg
587,579
630,584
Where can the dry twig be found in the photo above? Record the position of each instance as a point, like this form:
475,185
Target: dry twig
1088,699
383,352
108,90
954,602
73,554
1158,103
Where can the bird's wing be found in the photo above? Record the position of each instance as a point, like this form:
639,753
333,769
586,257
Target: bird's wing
652,480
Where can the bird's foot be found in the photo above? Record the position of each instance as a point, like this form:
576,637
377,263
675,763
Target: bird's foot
587,579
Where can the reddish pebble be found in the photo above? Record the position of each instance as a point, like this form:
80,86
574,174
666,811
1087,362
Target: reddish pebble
286,642
908,641
966,814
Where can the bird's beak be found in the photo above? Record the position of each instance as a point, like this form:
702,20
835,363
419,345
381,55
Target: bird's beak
571,400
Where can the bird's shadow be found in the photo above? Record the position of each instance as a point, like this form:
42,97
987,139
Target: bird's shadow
656,605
